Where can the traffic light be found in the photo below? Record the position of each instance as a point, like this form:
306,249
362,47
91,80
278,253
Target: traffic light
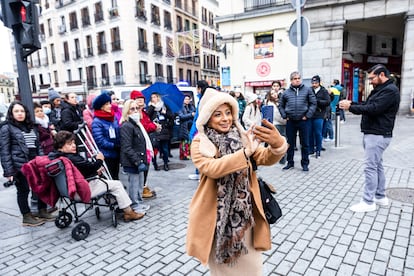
23,17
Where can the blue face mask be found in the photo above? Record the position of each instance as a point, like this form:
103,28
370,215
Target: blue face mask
46,110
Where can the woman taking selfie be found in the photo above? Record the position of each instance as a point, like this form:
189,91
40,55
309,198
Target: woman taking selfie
226,213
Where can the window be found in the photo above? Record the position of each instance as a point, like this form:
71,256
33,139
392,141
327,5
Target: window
115,38
80,72
85,17
179,24
157,44
52,52
211,19
56,77
49,27
77,54
62,26
100,39
143,72
170,47
170,78
142,40
98,12
113,11
69,73
159,75
155,15
167,21
73,21
65,51
119,74
204,15
140,11
91,77
189,76
186,25
181,74
89,46
105,74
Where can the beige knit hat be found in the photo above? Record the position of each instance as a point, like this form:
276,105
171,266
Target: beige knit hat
210,101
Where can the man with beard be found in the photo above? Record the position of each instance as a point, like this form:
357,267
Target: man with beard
377,123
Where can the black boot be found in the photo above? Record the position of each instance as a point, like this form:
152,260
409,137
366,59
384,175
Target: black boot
154,162
166,167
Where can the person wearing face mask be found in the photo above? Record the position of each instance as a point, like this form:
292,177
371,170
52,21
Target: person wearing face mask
136,153
44,129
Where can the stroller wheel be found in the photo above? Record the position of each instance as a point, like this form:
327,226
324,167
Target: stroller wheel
63,220
97,213
81,231
114,218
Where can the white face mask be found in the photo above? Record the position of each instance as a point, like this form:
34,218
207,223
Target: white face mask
135,116
46,110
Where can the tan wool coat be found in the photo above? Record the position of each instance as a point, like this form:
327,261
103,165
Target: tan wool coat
203,207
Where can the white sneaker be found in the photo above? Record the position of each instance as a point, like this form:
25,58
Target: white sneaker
194,176
328,140
363,207
382,201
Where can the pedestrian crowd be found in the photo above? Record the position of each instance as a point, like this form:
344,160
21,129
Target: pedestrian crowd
226,135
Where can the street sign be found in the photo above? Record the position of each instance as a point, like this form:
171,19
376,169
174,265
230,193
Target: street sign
304,31
302,3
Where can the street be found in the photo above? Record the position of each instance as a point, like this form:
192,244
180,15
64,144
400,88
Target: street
317,234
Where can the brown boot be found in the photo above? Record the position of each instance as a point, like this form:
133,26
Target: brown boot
132,215
147,193
45,215
30,220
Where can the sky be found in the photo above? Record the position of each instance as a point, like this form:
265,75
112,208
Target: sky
5,52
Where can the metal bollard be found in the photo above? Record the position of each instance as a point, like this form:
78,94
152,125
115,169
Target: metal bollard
337,129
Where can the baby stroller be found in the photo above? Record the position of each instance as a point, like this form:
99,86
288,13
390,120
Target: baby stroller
56,170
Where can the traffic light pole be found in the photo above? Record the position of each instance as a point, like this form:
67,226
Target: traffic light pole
23,80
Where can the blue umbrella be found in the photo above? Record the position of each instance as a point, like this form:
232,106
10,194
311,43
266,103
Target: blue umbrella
170,95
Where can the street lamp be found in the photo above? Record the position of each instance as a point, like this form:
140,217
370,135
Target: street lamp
222,47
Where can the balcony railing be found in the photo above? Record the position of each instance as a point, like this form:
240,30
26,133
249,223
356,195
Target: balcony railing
105,81
76,55
99,17
140,13
102,49
91,83
113,12
143,46
86,21
88,52
65,57
118,79
116,45
250,5
158,50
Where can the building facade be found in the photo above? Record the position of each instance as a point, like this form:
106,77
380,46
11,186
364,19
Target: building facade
346,37
107,44
7,89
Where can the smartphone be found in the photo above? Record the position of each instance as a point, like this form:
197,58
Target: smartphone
267,112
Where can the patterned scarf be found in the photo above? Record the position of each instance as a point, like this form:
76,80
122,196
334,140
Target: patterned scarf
234,202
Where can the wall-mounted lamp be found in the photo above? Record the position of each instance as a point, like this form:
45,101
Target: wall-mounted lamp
222,47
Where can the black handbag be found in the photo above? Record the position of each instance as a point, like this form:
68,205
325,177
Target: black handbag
270,206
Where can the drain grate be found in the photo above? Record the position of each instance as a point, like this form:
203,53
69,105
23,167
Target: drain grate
401,194
174,166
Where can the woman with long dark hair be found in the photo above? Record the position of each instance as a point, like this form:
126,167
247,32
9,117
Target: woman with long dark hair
20,144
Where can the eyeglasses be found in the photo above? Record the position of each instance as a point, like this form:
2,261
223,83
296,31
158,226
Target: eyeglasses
134,109
372,78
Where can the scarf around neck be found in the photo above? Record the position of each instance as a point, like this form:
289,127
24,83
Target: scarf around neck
44,122
158,106
107,116
234,201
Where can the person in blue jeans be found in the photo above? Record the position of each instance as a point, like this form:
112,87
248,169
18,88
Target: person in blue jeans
297,105
322,103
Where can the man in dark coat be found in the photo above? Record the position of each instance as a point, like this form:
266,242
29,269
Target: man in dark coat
377,123
297,105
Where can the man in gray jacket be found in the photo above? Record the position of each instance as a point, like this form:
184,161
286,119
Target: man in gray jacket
297,105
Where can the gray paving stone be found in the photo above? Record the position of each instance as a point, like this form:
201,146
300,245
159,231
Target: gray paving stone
345,269
396,263
371,245
362,269
340,250
284,267
382,255
327,272
293,255
386,244
309,254
367,256
300,266
325,251
356,246
318,263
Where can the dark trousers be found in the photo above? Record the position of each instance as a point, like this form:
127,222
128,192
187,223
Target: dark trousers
23,193
164,148
292,128
113,167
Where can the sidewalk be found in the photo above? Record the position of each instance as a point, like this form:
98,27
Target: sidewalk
317,234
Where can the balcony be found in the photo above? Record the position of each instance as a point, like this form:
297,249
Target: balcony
105,81
88,52
142,46
250,5
155,19
102,49
168,26
157,50
113,12
74,26
116,45
91,83
118,80
61,3
99,17
74,83
76,55
140,13
62,29
86,21
65,57
44,86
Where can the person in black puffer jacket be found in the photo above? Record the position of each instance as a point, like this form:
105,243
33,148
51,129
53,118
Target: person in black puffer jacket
71,116
20,144
297,105
161,114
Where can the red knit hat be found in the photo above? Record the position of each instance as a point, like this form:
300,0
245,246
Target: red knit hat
136,94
